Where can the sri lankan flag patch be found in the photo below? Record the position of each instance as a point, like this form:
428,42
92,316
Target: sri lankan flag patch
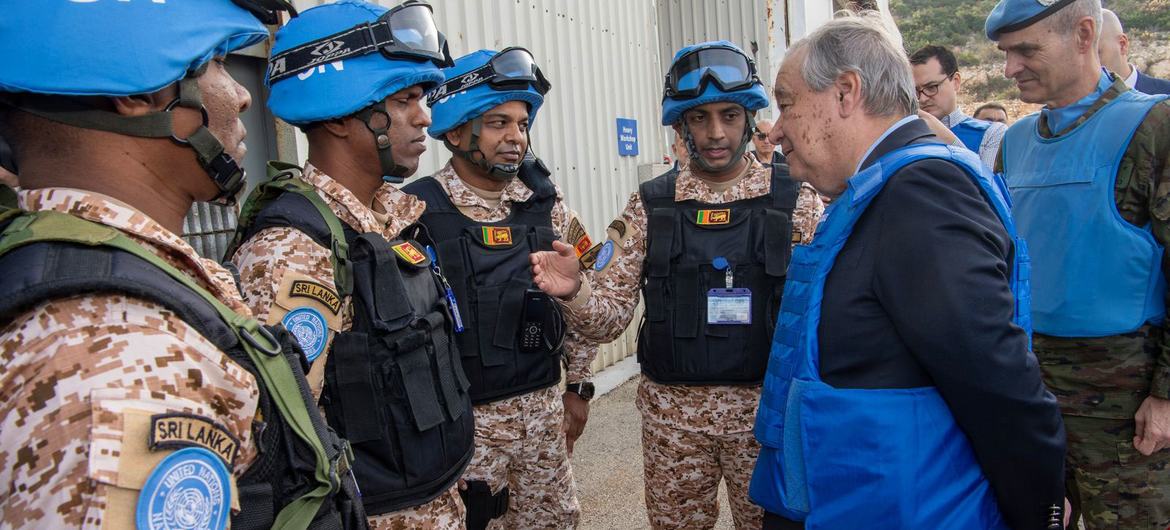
578,237
497,236
407,252
713,217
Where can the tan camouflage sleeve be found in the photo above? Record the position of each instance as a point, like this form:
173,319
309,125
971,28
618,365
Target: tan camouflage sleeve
605,304
282,269
579,350
82,379
807,213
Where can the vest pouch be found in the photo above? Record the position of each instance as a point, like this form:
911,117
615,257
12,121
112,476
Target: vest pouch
840,473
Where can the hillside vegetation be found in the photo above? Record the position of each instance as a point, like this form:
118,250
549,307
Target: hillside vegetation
958,24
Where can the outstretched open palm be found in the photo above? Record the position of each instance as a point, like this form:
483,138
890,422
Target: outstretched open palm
556,272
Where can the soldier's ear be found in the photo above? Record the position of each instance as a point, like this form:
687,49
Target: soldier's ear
455,137
337,127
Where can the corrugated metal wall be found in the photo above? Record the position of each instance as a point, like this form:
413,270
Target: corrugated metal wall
602,57
743,22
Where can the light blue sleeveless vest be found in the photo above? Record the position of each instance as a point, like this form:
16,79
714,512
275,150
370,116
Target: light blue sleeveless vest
876,459
971,132
1095,274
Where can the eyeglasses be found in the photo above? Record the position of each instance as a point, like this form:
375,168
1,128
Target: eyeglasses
406,32
760,135
929,90
689,75
513,68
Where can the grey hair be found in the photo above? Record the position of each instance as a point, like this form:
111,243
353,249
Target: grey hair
1064,20
861,43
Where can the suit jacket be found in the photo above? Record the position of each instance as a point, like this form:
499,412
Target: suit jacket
1151,85
920,295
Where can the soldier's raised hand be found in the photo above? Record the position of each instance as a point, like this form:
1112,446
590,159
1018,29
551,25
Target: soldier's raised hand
557,272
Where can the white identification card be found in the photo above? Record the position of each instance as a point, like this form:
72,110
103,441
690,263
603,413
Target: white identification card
729,306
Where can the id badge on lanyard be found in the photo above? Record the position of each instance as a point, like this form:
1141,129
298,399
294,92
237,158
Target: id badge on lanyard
730,305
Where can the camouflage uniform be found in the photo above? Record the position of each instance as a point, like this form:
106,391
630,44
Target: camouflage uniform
1101,382
692,436
519,440
272,259
82,376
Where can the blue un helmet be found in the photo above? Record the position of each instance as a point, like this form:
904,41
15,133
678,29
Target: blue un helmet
478,82
344,58
122,49
706,73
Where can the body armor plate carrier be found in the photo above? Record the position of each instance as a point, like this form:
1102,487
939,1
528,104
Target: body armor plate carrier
676,345
394,386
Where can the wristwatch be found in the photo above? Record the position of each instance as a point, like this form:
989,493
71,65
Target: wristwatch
585,390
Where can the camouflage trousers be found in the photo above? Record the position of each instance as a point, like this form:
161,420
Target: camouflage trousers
520,444
1109,483
444,512
682,474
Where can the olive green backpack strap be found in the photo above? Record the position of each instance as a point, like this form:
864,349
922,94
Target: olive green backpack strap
311,216
7,201
261,347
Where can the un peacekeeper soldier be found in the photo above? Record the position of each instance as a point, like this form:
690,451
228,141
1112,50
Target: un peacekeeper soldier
900,393
334,253
137,390
708,247
1090,182
487,209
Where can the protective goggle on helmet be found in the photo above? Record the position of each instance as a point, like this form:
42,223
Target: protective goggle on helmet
728,68
512,69
405,32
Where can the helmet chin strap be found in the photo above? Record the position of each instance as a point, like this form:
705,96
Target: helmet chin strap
224,171
693,150
392,172
496,172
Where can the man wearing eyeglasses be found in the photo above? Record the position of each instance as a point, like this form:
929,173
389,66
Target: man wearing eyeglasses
765,152
708,248
937,80
491,206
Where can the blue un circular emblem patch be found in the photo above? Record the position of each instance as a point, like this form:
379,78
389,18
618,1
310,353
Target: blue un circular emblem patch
308,326
188,490
604,255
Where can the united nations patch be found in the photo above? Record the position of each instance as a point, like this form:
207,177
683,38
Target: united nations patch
604,256
308,326
187,490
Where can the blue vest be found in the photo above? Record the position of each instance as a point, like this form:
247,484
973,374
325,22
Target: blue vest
971,131
1096,275
853,458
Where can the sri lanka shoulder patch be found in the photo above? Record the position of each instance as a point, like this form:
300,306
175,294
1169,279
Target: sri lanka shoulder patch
316,291
497,236
178,430
713,217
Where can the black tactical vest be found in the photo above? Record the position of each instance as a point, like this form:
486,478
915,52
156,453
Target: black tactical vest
394,386
676,344
492,279
284,473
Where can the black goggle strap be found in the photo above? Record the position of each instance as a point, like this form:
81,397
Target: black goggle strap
391,170
486,74
227,174
266,10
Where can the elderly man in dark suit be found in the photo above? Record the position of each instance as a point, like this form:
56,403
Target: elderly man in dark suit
901,392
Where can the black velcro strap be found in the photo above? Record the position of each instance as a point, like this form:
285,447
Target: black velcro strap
389,293
688,297
420,392
777,242
655,294
358,40
350,360
452,381
785,191
511,310
661,236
